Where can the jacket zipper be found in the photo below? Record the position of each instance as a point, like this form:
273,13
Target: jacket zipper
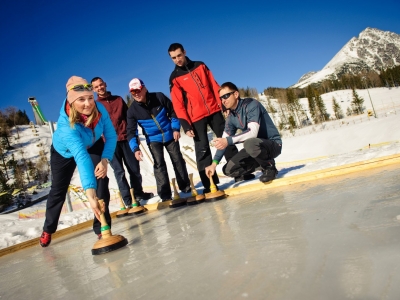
94,137
238,114
155,121
204,100
159,127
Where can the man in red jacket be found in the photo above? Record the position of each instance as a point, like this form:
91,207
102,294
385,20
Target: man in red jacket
195,98
117,110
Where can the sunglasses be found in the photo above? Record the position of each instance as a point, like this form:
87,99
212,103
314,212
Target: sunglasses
226,96
82,87
136,91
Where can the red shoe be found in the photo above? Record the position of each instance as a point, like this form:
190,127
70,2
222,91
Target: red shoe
45,239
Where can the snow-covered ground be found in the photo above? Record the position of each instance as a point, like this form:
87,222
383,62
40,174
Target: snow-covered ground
311,148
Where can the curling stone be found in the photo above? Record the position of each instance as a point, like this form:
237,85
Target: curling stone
214,194
123,212
108,242
195,198
177,201
136,209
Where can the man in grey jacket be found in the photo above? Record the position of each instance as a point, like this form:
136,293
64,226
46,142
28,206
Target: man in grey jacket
261,140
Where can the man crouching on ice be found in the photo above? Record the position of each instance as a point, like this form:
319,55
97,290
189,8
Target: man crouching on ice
261,140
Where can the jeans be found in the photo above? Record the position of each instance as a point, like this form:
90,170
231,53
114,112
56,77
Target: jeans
124,155
160,167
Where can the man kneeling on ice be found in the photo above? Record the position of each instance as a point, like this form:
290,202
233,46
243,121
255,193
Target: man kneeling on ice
261,140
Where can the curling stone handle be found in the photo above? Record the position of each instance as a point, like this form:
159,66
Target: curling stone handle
194,192
105,228
213,188
176,194
121,201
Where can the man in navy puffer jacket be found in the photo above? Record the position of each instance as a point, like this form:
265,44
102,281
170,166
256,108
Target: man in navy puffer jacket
153,112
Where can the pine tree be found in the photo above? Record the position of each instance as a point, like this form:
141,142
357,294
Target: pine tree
271,109
357,102
311,104
337,109
322,115
3,182
129,100
19,181
294,104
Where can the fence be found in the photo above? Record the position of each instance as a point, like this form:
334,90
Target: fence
381,112
78,202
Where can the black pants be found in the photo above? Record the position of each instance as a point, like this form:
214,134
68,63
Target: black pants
256,152
160,167
62,170
202,145
124,155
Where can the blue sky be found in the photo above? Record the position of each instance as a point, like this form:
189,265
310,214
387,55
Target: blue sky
251,43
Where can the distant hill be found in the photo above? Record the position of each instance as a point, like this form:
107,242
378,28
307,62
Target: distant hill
374,49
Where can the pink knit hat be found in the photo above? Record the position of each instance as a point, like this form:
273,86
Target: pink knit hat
73,95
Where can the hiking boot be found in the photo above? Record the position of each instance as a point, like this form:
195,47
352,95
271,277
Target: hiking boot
45,239
144,196
187,189
244,177
268,174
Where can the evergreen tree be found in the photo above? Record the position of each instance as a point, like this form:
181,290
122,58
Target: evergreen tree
322,115
349,111
3,182
129,100
292,122
311,104
248,92
19,182
337,110
271,109
357,102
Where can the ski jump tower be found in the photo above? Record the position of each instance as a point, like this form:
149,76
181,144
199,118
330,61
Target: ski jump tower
37,112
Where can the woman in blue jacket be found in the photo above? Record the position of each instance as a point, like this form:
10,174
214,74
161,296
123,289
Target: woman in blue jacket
85,137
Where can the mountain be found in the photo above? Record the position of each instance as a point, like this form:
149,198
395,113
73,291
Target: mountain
372,50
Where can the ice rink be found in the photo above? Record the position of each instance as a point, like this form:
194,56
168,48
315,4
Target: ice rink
326,239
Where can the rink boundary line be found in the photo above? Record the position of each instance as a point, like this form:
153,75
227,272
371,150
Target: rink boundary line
316,175
284,181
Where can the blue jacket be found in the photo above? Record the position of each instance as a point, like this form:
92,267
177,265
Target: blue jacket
74,142
156,117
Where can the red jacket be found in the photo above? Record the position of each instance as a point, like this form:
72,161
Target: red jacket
117,110
194,93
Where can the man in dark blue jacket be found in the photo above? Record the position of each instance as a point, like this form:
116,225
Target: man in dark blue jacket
153,112
261,140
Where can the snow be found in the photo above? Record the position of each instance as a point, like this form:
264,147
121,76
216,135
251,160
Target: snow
351,53
312,148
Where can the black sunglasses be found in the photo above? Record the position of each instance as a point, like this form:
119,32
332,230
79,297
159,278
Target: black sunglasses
226,96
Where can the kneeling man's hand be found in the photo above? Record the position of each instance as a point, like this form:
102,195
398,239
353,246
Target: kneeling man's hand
220,143
210,170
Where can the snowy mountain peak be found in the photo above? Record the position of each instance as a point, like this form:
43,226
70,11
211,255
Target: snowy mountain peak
372,50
